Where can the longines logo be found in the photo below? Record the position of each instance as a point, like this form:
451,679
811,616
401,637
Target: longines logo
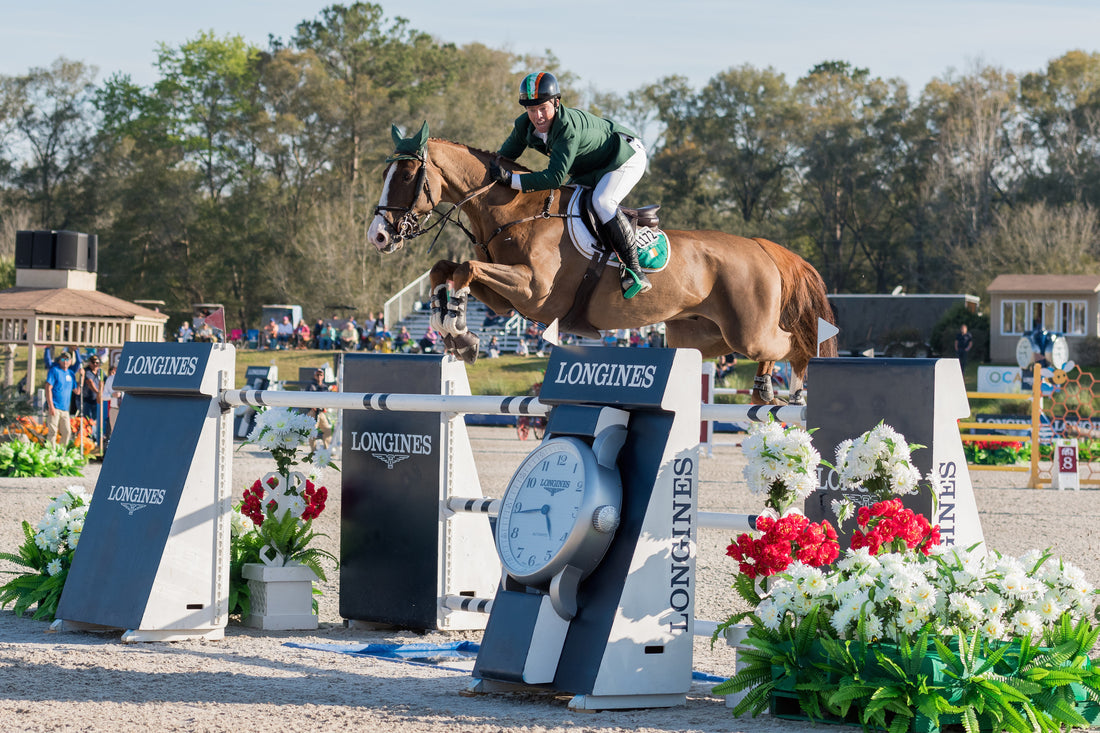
160,365
133,498
600,374
391,448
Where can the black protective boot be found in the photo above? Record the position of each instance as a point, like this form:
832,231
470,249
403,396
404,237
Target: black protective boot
617,231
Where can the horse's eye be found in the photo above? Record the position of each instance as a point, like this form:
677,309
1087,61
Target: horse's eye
407,177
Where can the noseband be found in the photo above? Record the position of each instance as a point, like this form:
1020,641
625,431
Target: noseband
407,223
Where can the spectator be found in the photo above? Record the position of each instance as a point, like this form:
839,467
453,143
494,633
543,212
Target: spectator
302,335
318,330
724,366
269,336
635,338
284,333
327,339
185,332
60,385
402,342
963,342
90,395
349,336
205,334
429,341
655,340
324,425
609,339
493,349
113,398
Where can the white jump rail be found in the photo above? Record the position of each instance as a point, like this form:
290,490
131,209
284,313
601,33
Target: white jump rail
472,404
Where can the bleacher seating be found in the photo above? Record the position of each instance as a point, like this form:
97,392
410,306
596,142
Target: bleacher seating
508,337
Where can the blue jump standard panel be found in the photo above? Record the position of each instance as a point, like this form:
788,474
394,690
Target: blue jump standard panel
156,537
399,551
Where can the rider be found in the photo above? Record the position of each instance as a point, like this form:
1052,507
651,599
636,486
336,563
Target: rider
593,151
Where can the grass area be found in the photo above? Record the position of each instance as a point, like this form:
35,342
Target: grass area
507,375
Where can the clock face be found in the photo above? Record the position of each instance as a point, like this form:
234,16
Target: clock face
542,507
1059,352
1023,352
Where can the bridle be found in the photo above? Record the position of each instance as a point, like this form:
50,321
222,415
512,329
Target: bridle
406,222
410,226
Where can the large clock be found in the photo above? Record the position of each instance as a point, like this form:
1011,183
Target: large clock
559,514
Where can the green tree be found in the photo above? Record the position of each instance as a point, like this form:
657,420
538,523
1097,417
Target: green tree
50,112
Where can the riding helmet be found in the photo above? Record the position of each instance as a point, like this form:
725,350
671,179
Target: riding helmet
538,87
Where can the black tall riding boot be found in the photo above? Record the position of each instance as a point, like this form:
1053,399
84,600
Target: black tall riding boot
618,232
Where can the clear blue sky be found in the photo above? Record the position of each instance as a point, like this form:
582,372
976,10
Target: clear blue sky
605,48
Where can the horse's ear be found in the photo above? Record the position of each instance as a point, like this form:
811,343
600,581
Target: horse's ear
422,136
412,146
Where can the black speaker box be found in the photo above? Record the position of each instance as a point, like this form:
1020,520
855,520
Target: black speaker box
72,251
93,252
24,249
42,251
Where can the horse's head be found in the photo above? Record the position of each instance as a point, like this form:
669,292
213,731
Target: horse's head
406,192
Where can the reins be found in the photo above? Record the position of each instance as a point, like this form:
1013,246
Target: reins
409,226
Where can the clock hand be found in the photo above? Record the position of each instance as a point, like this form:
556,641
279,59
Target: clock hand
542,509
549,532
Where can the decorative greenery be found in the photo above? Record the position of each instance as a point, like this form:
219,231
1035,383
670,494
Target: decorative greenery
48,553
884,636
19,458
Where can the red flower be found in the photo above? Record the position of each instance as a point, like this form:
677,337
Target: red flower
782,542
888,526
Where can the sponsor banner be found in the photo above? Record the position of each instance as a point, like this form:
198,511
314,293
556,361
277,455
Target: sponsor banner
607,376
162,367
999,379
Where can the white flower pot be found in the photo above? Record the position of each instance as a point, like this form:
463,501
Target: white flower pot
281,597
734,636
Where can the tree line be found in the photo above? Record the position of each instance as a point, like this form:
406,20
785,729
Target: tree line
249,175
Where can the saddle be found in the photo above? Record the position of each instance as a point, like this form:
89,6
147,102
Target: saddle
646,216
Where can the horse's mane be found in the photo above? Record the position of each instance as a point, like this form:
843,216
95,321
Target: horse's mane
479,152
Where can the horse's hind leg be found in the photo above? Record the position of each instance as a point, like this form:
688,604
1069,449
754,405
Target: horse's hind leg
762,392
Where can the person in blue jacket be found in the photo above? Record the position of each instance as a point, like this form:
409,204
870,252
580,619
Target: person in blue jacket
589,151
60,383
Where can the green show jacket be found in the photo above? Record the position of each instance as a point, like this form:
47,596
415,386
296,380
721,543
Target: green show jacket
580,145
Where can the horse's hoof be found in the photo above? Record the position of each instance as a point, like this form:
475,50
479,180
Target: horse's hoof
466,347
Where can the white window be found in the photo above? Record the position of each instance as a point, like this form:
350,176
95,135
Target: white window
1074,317
1046,313
1014,317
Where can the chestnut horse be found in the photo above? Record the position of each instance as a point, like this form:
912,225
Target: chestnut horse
720,293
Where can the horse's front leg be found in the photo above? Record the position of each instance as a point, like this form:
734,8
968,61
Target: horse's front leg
500,287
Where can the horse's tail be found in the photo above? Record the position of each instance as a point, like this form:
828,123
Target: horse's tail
804,300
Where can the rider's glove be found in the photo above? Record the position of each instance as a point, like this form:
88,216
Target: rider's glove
500,175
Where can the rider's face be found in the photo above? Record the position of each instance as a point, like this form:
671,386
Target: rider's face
541,115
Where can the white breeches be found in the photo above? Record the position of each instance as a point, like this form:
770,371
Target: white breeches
615,185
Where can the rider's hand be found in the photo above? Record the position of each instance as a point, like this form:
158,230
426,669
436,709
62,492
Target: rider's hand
498,174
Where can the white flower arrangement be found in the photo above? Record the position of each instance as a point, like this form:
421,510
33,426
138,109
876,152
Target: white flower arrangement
60,527
782,463
282,428
46,555
896,594
878,462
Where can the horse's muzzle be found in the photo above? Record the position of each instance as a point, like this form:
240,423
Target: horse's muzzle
383,236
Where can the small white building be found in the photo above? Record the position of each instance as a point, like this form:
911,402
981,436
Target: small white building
55,301
1066,304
